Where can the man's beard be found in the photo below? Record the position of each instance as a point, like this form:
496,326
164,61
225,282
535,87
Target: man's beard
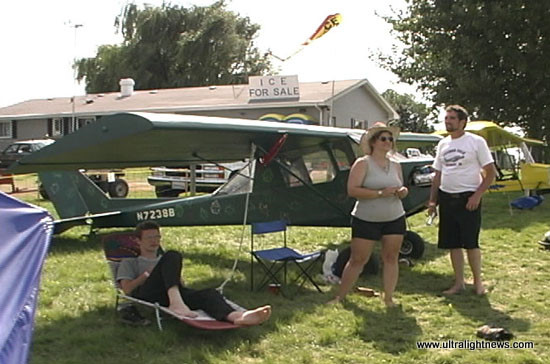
450,128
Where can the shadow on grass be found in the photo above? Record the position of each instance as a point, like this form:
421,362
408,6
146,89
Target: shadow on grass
98,336
399,333
67,245
108,341
467,303
479,308
79,240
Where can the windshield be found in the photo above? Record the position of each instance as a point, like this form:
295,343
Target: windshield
240,181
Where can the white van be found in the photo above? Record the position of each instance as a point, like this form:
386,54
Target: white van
170,182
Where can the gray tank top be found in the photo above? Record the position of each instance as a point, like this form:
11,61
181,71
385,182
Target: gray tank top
380,209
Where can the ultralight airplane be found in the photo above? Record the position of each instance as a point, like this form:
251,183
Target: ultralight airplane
516,167
295,172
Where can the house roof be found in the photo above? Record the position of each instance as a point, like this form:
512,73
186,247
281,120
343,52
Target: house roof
188,99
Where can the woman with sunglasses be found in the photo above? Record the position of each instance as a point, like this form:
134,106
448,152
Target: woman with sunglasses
376,182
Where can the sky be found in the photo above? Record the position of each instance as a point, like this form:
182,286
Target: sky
40,40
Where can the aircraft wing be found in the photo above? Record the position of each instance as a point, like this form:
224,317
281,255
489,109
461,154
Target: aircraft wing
495,135
147,139
416,140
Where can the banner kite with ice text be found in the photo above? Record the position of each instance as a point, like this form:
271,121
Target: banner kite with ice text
330,22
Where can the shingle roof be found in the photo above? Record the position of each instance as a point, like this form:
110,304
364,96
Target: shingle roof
180,100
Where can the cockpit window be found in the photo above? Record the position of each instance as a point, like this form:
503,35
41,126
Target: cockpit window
294,171
240,181
310,168
320,167
343,154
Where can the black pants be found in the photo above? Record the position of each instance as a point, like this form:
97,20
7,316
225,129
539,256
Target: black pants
458,226
166,274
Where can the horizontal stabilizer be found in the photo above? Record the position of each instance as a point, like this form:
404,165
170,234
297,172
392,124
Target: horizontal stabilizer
65,224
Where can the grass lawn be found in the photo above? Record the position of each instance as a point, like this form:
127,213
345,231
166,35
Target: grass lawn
76,322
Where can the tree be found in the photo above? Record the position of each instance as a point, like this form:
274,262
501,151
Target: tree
413,116
172,46
490,56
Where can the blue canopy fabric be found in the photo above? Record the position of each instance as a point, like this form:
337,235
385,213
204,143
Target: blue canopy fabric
25,233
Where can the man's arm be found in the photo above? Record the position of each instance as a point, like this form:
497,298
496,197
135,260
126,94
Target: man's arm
488,176
128,285
436,182
127,275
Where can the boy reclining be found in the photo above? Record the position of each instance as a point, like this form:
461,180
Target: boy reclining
154,278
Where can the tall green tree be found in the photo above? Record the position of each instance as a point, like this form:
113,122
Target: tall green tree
490,56
173,46
413,116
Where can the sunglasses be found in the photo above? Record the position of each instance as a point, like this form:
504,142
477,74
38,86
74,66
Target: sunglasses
384,138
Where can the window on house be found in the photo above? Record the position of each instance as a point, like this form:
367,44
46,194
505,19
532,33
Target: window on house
359,124
81,122
5,129
57,127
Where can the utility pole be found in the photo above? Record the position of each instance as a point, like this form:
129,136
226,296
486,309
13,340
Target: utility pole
75,26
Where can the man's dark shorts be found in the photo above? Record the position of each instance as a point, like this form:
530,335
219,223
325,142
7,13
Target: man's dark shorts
375,230
458,227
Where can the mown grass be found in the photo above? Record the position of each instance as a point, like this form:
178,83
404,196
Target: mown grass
76,323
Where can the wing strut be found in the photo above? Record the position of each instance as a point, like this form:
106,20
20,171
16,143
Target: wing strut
245,219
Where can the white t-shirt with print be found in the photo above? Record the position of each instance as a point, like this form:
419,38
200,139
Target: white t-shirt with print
460,161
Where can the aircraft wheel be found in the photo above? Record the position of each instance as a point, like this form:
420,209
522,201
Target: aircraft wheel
413,246
166,192
372,266
118,188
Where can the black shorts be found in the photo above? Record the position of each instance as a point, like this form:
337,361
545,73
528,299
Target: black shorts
375,230
458,227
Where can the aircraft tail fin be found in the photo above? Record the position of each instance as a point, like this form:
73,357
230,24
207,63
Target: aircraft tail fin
73,194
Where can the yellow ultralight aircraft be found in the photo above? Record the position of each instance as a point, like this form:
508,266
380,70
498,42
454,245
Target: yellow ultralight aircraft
517,169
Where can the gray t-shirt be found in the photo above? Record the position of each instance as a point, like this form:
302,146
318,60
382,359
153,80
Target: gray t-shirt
380,209
131,268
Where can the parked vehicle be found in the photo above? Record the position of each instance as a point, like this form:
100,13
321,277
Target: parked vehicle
109,181
18,150
170,182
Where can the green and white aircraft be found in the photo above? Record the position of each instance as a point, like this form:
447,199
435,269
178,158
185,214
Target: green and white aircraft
295,172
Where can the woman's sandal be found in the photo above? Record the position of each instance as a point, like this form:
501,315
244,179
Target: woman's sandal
367,292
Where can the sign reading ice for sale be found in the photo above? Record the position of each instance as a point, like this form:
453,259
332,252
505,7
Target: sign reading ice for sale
273,88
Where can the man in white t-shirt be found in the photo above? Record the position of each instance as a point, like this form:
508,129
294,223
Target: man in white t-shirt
464,170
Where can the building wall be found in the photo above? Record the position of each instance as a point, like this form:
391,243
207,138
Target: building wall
358,105
32,129
5,140
27,129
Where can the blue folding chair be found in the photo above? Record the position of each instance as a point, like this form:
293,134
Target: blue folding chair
274,261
